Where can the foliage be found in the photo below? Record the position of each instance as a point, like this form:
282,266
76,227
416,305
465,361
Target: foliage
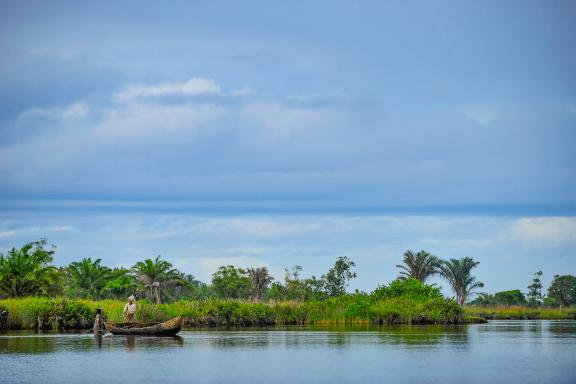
563,290
87,278
420,265
535,296
520,312
409,288
230,282
26,271
261,280
155,275
458,272
337,278
513,297
58,314
120,284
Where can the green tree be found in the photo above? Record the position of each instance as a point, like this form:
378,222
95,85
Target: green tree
120,284
295,287
261,280
409,288
420,265
230,282
513,297
484,299
154,275
535,296
87,278
337,278
277,291
458,272
563,290
27,271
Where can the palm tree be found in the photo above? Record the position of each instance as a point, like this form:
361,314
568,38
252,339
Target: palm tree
88,277
154,275
261,279
420,265
26,271
458,273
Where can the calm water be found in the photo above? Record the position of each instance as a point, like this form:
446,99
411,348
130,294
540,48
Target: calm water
498,352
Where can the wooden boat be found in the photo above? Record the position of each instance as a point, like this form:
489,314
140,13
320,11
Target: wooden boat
167,328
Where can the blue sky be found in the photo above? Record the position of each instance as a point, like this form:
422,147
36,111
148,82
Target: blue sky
291,133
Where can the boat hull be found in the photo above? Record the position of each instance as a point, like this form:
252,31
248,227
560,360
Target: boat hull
167,328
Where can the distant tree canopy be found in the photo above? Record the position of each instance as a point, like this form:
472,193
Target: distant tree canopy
27,271
563,290
420,265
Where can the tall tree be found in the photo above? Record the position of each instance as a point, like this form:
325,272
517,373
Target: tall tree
26,271
563,290
512,297
458,272
88,278
120,284
535,290
420,265
337,278
230,282
261,280
154,275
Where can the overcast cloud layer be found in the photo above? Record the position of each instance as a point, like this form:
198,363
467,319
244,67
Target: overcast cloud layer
330,118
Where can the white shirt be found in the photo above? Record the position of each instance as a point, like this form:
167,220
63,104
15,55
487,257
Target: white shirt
130,309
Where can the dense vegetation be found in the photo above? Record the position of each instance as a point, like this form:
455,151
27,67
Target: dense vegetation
40,295
402,301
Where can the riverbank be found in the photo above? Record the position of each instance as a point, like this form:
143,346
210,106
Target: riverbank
520,313
61,314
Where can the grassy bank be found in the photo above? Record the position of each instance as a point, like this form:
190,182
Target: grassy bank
520,313
57,314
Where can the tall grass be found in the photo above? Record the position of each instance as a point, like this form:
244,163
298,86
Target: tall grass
50,313
520,312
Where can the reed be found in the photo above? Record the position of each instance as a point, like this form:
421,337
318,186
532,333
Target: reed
58,313
520,313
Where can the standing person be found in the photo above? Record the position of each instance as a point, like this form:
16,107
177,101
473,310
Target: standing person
99,328
130,309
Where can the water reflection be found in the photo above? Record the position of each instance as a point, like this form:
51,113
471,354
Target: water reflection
502,351
39,343
331,336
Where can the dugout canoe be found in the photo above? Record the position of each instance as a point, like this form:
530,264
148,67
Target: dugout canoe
167,328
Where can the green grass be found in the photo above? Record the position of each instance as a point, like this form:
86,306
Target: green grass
58,313
519,312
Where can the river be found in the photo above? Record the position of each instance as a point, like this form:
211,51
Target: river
497,352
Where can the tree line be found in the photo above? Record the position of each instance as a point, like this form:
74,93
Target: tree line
27,271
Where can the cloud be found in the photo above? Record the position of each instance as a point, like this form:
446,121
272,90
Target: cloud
73,111
193,87
34,230
244,91
282,121
136,120
546,230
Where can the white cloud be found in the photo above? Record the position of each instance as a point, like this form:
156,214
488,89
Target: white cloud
282,121
22,231
73,111
546,230
244,91
194,86
134,120
262,227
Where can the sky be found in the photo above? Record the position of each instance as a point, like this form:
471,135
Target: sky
282,133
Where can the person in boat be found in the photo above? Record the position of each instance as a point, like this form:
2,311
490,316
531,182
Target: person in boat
130,309
99,328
